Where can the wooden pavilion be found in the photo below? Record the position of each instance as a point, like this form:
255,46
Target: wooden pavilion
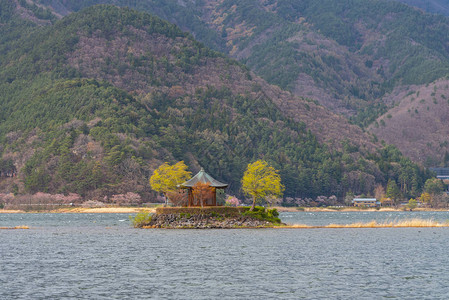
202,178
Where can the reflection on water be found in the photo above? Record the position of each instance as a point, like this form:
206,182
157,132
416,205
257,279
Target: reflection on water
99,256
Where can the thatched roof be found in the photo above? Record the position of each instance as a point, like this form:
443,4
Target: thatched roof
203,177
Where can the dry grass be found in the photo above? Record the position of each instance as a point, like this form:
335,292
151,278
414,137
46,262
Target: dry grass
16,227
22,227
387,224
374,224
300,226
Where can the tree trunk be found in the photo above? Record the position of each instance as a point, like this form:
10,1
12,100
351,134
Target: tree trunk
254,204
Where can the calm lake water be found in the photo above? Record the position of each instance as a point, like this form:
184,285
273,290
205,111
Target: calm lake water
100,256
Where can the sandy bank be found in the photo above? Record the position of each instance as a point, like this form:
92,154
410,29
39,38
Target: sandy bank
7,211
82,210
103,210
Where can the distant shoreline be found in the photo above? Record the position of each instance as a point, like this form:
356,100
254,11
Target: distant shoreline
85,210
124,210
353,209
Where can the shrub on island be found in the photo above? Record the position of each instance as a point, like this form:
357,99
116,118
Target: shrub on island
263,214
141,219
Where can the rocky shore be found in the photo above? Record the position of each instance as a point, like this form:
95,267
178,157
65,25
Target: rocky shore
205,221
210,217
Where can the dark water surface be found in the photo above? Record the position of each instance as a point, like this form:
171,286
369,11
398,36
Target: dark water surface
100,256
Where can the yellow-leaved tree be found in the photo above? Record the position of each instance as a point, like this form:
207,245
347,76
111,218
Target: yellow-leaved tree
426,198
261,180
167,177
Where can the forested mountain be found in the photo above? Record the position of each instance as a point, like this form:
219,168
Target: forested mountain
92,103
432,6
418,124
354,56
345,54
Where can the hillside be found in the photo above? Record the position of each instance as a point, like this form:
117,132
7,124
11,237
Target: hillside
432,6
344,54
92,103
353,57
418,123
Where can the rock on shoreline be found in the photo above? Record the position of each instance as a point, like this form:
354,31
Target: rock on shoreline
205,222
209,217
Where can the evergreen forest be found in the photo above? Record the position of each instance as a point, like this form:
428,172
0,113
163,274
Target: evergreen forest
93,102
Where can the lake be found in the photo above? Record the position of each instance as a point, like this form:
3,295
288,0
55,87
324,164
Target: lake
100,256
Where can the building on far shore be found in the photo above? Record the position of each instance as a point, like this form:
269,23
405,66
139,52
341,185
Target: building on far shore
366,202
442,173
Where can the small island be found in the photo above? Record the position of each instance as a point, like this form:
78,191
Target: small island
208,217
197,203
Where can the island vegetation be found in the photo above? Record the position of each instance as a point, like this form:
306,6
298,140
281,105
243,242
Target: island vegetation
261,180
166,178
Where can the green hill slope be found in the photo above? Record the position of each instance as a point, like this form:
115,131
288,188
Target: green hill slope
344,54
93,103
418,123
433,6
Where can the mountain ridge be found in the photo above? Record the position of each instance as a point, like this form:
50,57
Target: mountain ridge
353,57
431,6
350,53
110,131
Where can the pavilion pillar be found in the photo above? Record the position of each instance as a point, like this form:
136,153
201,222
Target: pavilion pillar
190,198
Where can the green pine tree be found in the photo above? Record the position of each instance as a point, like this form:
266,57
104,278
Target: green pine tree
393,191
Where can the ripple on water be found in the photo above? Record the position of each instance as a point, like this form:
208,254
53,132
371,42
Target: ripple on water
70,256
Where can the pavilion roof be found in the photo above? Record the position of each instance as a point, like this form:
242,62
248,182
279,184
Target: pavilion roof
203,177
